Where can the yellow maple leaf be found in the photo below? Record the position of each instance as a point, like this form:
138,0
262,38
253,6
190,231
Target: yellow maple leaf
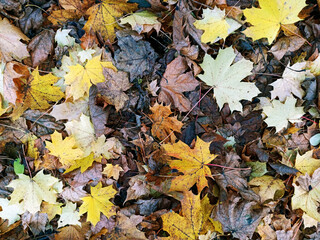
162,124
192,164
36,91
112,171
64,149
81,78
267,187
307,194
215,25
102,17
84,163
271,15
98,201
306,163
193,220
29,193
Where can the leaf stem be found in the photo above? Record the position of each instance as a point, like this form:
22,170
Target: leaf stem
216,165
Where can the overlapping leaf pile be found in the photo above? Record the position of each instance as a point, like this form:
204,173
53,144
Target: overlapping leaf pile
159,119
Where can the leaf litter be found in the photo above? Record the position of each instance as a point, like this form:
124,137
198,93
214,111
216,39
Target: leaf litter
159,119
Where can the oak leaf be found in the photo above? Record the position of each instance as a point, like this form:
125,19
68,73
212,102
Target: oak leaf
191,162
10,45
29,193
65,149
307,194
272,15
98,201
81,78
279,114
162,124
36,91
226,78
175,81
193,220
215,25
102,17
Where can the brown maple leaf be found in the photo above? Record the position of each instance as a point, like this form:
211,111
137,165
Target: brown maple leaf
175,81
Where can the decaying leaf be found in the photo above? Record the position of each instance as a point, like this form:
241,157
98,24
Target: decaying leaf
239,217
102,17
191,162
163,125
10,45
135,57
113,88
176,80
226,78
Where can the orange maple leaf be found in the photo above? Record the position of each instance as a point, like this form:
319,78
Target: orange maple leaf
192,163
163,125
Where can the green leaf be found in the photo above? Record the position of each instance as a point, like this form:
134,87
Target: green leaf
18,167
258,169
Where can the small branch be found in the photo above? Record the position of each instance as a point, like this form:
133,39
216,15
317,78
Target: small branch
216,165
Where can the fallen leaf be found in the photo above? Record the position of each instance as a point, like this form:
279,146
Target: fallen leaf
73,9
79,79
98,201
290,83
226,78
286,45
271,15
191,162
135,57
51,209
175,81
138,188
279,114
36,222
83,163
268,187
102,17
70,110
65,149
142,22
193,220
10,45
113,88
163,125
10,212
72,232
306,163
73,194
29,193
238,217
36,91
69,215
112,171
307,194
41,46
216,25
126,228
